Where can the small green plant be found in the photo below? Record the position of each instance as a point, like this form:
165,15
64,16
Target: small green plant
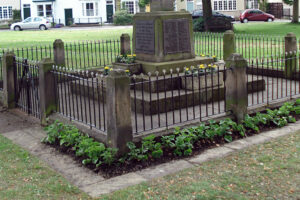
126,58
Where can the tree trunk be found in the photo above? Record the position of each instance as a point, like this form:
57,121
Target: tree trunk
295,11
207,13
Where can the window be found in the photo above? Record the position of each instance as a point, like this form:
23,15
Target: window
252,4
90,9
40,10
5,12
49,10
129,5
29,19
224,4
37,19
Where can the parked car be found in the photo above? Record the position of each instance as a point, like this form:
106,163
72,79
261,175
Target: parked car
41,23
199,13
255,15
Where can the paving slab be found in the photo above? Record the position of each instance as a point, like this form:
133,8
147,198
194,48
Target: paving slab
238,145
164,169
209,154
113,184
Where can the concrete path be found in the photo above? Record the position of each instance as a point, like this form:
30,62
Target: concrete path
25,131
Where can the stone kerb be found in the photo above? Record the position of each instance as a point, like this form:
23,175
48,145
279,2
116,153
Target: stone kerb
228,44
119,125
8,63
290,55
236,86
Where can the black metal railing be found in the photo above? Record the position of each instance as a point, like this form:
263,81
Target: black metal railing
81,97
250,46
27,93
90,54
172,98
278,83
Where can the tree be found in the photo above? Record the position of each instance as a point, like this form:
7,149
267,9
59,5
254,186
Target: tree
207,13
295,4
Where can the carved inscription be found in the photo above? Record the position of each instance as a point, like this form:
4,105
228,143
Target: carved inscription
144,37
176,36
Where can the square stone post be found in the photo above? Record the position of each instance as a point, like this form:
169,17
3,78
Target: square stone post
48,103
236,86
228,44
125,44
9,79
59,53
119,126
290,55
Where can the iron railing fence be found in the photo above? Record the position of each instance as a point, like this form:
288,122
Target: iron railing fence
279,84
78,55
250,46
90,54
172,98
27,93
81,97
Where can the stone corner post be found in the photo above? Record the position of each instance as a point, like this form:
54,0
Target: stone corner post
119,126
236,86
290,55
9,80
228,44
48,103
125,44
59,53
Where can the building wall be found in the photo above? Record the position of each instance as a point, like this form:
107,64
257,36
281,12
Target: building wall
14,3
59,7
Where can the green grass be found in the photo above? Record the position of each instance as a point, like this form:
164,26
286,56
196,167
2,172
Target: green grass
26,38
274,28
23,176
269,171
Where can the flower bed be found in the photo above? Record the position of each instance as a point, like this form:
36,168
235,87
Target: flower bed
155,150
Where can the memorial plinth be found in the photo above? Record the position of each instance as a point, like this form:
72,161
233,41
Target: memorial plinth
164,40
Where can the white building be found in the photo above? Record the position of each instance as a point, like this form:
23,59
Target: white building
131,5
6,8
70,11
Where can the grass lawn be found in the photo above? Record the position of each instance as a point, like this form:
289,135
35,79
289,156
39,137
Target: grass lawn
23,176
269,171
274,28
12,39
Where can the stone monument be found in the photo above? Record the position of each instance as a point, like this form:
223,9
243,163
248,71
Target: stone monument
163,38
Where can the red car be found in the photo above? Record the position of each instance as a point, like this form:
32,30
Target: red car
255,15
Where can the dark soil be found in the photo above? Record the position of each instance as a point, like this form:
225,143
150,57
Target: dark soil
132,166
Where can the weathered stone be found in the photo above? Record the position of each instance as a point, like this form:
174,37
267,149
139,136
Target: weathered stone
119,127
8,60
134,68
125,44
48,103
59,53
290,55
148,33
206,81
236,86
228,44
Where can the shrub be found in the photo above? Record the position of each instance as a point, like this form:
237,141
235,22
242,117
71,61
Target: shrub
16,15
122,17
198,24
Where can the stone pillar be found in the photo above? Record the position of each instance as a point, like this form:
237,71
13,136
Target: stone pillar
125,44
119,127
48,103
290,54
9,80
236,86
59,53
228,44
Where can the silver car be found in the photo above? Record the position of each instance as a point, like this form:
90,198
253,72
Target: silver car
41,23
